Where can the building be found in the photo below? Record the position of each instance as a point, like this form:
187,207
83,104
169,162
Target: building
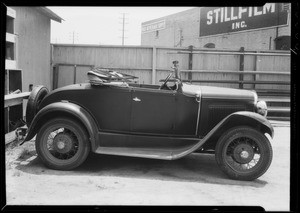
260,28
27,54
28,47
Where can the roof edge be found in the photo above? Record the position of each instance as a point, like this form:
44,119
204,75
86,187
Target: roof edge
47,12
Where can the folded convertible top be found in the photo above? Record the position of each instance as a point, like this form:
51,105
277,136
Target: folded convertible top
101,76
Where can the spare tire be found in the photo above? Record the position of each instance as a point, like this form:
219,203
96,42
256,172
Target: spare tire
36,96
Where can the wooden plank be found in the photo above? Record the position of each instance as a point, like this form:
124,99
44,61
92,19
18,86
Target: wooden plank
241,68
10,64
279,109
10,137
279,99
15,99
190,66
11,38
231,53
277,118
237,72
67,64
238,82
11,12
102,46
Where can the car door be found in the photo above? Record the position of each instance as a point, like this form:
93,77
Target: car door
187,115
111,106
153,111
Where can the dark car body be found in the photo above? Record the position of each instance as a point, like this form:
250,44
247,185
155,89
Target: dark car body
143,120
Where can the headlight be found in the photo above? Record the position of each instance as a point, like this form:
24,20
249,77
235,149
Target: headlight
261,108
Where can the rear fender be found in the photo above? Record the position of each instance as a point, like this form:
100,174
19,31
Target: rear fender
66,109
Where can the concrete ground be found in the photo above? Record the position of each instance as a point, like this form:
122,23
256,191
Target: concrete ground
194,180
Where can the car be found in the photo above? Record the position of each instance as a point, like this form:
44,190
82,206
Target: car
113,114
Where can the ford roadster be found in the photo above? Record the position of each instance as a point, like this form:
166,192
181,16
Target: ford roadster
111,114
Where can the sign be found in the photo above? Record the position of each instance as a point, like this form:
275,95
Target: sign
154,26
220,20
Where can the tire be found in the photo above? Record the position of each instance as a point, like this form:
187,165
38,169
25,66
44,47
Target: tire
236,151
62,144
36,96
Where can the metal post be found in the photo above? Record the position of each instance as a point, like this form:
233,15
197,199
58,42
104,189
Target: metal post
55,76
255,69
190,67
75,73
241,78
153,65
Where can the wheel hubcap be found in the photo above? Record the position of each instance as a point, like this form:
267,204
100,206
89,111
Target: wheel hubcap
61,144
64,145
243,153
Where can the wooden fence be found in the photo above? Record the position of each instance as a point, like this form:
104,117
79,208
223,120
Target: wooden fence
249,69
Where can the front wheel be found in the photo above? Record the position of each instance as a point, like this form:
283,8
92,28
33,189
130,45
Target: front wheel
243,153
62,144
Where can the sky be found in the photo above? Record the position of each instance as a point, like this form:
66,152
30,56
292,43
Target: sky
103,25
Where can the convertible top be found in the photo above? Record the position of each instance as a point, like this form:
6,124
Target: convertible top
100,76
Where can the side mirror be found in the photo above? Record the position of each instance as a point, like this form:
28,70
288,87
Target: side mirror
198,96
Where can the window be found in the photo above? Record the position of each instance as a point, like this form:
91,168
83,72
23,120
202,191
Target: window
209,45
286,6
283,43
156,34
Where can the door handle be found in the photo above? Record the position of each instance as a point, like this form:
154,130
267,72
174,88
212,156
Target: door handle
136,99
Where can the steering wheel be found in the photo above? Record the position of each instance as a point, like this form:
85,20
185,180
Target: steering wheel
166,81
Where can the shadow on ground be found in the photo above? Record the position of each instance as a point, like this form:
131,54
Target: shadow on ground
200,168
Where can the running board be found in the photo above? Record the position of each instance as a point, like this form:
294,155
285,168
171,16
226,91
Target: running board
154,153
163,154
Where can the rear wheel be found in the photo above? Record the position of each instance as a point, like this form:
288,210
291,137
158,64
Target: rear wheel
62,144
243,153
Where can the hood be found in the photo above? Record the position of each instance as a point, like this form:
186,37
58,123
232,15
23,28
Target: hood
218,92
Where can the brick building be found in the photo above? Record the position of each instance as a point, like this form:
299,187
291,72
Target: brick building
266,28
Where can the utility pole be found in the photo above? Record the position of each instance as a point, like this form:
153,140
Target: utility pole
73,34
123,27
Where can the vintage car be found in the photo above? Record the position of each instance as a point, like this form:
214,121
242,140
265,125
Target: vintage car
111,114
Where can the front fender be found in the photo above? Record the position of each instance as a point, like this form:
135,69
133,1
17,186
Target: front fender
252,119
242,118
64,108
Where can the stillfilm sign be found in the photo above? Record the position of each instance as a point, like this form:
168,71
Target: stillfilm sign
220,20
